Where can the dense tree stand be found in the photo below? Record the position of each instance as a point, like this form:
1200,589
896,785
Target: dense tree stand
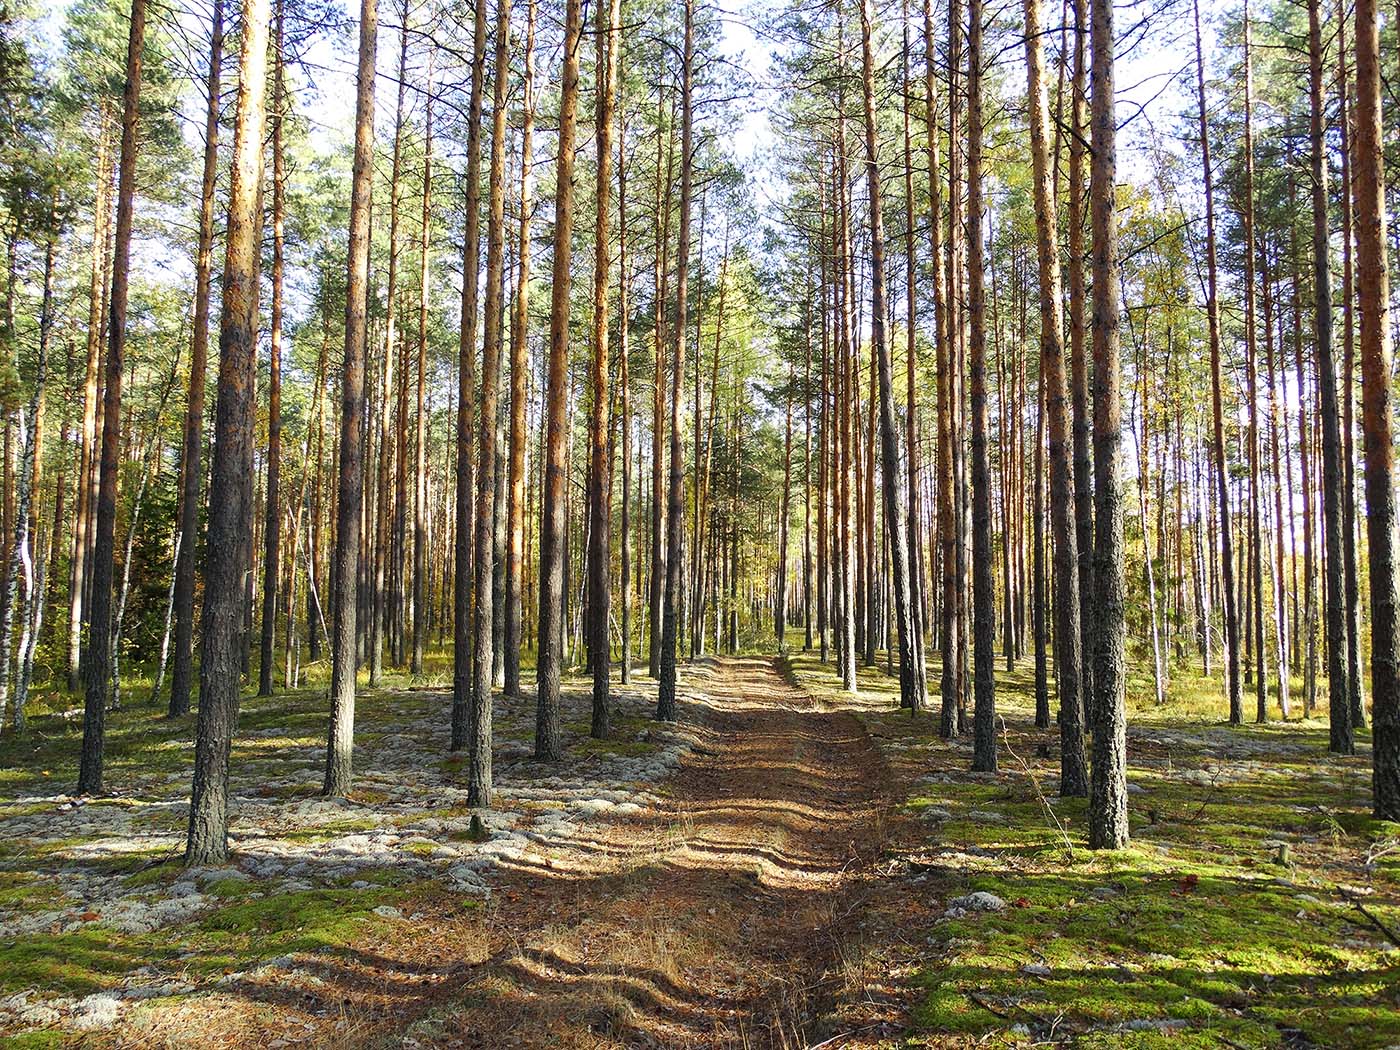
1078,385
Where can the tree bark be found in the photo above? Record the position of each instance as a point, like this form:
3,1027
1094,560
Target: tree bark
479,730
272,530
99,654
675,511
1355,683
1108,789
421,583
230,504
1377,417
599,610
462,580
1068,639
554,523
519,365
346,566
191,470
984,755
911,680
1079,352
1222,467
1256,561
624,381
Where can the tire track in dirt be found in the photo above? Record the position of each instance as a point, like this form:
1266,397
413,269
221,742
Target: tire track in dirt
721,920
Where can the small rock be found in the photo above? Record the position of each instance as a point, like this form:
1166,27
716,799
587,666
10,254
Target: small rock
388,911
1036,970
96,1011
38,1015
981,900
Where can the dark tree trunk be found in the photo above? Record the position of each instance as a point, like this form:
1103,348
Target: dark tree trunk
1340,739
1108,789
272,520
191,470
1222,467
519,365
984,755
99,655
600,459
230,506
554,523
911,681
675,511
483,623
1378,411
346,567
462,580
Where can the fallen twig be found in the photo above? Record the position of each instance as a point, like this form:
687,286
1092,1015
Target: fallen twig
1370,916
843,1035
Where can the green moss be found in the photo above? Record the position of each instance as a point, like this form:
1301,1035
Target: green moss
32,1041
622,740
1196,923
229,888
78,963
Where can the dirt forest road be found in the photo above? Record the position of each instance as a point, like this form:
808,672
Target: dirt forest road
726,918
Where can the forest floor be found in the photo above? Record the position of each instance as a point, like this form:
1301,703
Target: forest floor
787,867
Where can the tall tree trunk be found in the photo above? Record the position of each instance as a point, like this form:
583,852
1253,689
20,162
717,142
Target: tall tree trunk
1277,464
624,281
554,524
984,755
462,686
785,499
1355,681
825,442
346,565
191,471
656,583
942,329
80,567
1373,292
847,394
1323,334
911,681
519,365
99,656
27,544
911,363
1256,561
675,511
1222,467
272,529
1079,351
384,512
230,504
600,460
479,730
807,601
1068,651
1108,788
421,583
